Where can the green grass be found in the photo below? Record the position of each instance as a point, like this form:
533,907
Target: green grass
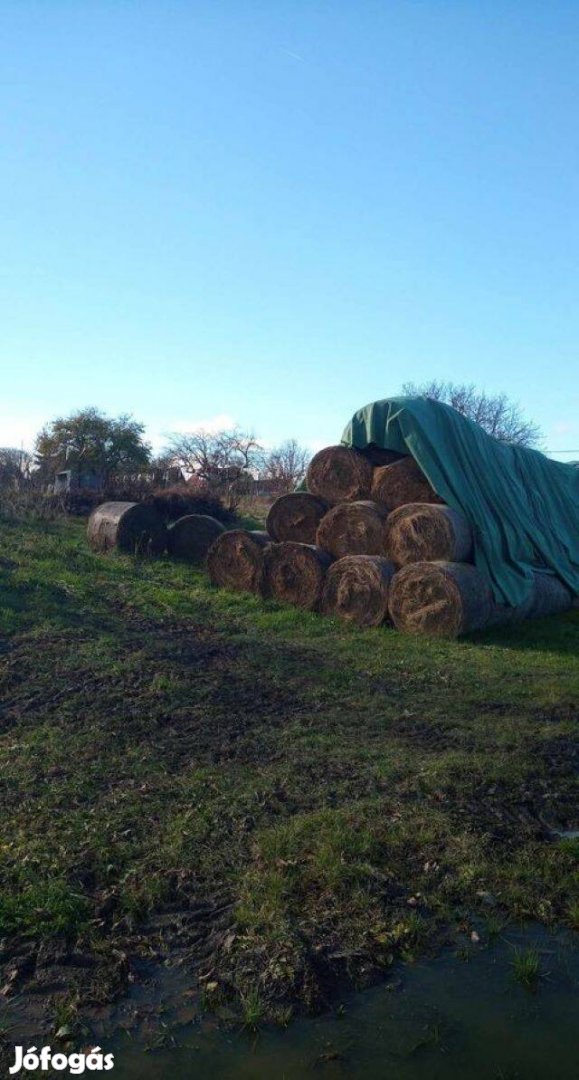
253,1011
527,968
297,802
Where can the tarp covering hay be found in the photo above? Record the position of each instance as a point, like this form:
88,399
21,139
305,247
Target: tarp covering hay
235,559
294,573
296,517
128,526
400,483
190,537
442,599
338,474
421,532
357,589
353,528
522,506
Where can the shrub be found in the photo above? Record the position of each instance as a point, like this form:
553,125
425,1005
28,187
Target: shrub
174,502
82,501
29,505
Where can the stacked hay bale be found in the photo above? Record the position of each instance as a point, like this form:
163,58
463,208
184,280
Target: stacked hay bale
356,528
294,573
296,517
446,599
310,534
235,560
419,532
371,540
357,589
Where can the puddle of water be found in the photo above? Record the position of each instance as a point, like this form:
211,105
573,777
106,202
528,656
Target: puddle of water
445,1019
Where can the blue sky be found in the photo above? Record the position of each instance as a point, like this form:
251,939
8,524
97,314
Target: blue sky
274,212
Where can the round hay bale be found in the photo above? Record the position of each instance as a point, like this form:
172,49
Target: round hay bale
127,526
423,532
443,599
235,559
294,574
400,483
296,517
339,474
549,596
357,589
377,456
190,537
353,528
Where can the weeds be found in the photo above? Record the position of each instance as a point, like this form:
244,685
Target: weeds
253,1010
573,915
526,968
494,925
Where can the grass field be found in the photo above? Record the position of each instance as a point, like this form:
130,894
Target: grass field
280,803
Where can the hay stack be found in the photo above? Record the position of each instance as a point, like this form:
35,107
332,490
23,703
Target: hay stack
294,574
423,532
339,474
235,560
353,528
357,589
131,527
190,537
400,483
296,517
444,599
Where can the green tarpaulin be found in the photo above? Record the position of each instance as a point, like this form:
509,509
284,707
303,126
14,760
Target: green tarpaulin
522,506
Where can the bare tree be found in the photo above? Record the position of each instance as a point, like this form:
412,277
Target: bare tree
285,465
224,460
494,412
15,467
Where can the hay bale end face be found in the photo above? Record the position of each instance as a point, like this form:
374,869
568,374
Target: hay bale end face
339,474
355,528
235,559
190,537
400,483
135,528
425,532
294,573
357,588
296,517
442,599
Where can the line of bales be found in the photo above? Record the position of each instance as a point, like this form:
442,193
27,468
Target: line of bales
369,542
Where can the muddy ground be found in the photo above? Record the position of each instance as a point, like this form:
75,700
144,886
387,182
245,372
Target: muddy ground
210,804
